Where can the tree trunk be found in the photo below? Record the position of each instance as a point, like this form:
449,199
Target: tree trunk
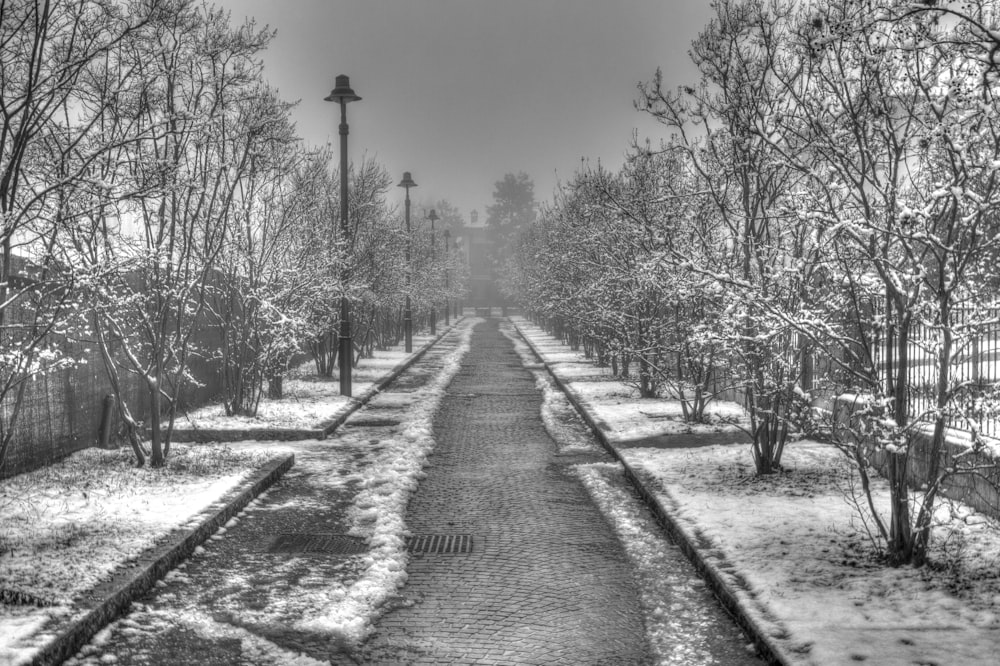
900,542
275,387
156,458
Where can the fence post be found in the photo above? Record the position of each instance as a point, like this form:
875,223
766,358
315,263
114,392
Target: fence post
107,413
976,358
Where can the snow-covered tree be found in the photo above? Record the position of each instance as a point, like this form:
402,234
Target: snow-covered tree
52,133
896,132
263,268
726,126
146,276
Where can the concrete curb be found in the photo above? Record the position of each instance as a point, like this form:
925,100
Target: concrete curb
725,589
203,435
109,600
394,374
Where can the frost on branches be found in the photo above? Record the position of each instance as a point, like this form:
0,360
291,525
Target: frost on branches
820,229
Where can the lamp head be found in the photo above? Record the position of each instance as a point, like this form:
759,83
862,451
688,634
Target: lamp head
433,216
407,182
342,91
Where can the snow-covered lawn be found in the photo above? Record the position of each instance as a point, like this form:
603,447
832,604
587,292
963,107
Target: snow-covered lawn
68,526
798,544
795,544
308,400
617,403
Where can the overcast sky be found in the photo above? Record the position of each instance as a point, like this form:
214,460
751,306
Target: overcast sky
460,92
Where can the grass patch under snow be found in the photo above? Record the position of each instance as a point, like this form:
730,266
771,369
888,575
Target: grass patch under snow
66,527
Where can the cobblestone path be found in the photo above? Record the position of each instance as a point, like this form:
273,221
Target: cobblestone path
547,581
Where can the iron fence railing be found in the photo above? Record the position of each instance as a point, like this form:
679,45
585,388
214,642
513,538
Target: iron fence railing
973,370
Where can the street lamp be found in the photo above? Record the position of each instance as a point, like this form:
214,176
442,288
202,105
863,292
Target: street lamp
407,182
447,255
342,94
433,217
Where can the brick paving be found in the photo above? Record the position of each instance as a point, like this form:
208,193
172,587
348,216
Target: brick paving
547,581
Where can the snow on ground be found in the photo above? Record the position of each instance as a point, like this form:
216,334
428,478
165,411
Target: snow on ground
66,527
681,615
618,404
796,545
561,421
376,469
380,507
257,589
795,540
308,400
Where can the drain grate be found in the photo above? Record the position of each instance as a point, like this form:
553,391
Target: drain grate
331,544
440,544
494,394
12,597
372,423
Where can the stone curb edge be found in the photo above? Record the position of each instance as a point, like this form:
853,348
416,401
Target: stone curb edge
154,565
290,434
730,597
394,374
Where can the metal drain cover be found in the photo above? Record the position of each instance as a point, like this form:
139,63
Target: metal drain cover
372,423
12,597
440,544
331,544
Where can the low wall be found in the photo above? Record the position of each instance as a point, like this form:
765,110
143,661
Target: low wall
979,491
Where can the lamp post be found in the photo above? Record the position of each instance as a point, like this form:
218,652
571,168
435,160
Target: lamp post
460,249
447,256
342,94
407,183
433,217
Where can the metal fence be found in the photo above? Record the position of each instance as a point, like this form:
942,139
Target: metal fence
973,372
62,411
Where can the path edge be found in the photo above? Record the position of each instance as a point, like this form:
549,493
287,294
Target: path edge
387,379
117,595
324,429
725,591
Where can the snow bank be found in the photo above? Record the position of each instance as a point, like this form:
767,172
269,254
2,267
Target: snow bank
379,509
794,544
66,527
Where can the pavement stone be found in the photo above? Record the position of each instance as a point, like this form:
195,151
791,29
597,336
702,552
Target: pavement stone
547,581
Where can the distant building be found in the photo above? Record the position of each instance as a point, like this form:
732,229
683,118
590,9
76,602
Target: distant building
477,246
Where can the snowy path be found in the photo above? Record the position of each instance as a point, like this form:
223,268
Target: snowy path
548,581
566,567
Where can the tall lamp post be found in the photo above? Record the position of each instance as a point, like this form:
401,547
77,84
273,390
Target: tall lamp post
407,183
460,250
342,94
447,256
433,217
